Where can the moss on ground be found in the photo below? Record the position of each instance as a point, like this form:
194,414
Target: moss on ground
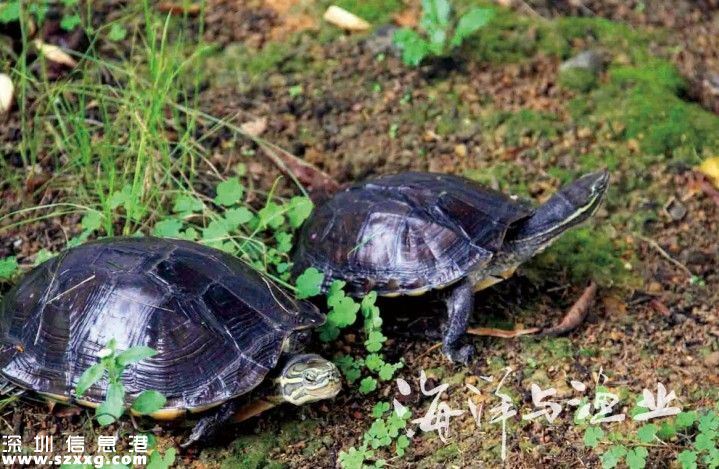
584,254
254,451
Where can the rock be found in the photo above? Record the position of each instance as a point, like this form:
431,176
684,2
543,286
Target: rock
381,41
675,209
592,60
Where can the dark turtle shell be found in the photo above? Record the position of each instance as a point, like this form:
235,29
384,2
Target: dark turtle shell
406,233
217,324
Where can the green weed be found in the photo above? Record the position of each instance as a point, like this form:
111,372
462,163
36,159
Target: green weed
113,364
442,31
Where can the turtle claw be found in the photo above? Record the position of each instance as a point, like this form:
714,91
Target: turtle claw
462,354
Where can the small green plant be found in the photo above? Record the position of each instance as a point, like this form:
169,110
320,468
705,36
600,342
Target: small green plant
697,433
442,31
8,267
382,433
38,10
113,364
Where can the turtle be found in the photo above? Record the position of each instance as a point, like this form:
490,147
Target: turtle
412,232
228,339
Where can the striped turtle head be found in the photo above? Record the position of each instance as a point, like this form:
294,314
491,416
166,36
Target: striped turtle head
308,378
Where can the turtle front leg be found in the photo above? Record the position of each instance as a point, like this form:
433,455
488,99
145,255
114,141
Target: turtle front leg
208,426
460,304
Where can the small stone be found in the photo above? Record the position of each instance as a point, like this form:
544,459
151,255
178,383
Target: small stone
460,150
381,41
675,209
591,60
655,287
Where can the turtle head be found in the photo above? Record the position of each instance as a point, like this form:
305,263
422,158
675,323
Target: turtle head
308,378
571,205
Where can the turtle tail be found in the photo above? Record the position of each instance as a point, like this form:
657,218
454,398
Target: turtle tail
571,205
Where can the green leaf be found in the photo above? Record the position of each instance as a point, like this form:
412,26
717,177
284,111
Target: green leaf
91,221
168,228
190,234
705,441
216,231
186,204
89,377
401,445
8,267
329,332
387,370
353,458
113,406
686,419
414,48
117,33
238,216
647,433
592,436
471,22
435,13
271,215
70,22
367,385
344,312
299,209
284,241
687,459
158,461
9,11
350,368
380,409
637,458
229,192
374,341
148,402
373,362
667,431
41,256
613,456
309,283
134,355
712,459
710,421
121,197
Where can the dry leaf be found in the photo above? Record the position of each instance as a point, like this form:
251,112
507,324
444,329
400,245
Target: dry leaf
503,333
255,128
345,20
6,93
54,53
576,314
710,167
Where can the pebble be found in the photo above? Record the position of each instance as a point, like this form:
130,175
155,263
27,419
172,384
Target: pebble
592,60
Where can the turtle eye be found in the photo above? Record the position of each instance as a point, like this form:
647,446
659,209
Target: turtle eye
310,377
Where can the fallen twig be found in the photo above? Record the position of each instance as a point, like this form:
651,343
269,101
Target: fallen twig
307,174
503,333
576,314
665,254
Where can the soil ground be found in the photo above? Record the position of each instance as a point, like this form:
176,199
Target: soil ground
330,99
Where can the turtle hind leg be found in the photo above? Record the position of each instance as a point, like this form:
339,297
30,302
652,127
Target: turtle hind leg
208,426
460,304
9,389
